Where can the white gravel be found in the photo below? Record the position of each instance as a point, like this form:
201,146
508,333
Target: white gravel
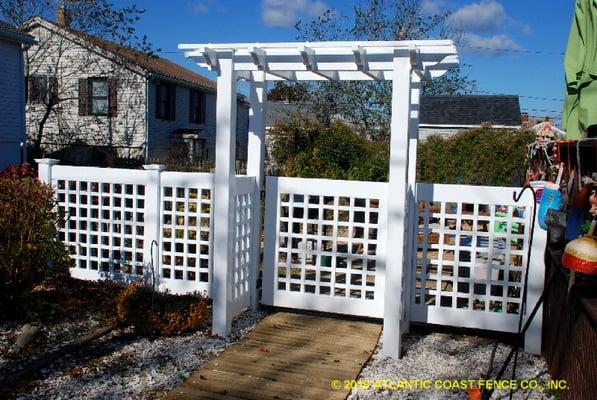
133,367
437,357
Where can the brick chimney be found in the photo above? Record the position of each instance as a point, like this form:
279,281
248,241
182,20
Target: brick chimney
62,17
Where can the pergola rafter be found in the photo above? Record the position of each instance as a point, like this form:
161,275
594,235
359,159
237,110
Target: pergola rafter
405,63
313,61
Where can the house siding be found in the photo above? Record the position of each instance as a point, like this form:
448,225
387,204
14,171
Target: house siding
70,62
160,130
12,127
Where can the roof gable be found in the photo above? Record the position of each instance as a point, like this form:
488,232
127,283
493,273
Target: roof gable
9,32
470,110
161,67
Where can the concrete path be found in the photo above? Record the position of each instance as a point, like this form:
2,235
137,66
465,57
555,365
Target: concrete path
286,356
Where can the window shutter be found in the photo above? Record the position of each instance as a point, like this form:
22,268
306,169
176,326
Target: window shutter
202,100
191,105
173,102
83,97
112,97
53,90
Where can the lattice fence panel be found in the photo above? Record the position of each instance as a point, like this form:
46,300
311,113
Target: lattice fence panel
243,219
327,244
186,220
471,254
104,225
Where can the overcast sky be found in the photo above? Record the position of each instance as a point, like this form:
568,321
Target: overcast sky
510,46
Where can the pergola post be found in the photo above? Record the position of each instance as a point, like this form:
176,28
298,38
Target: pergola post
223,195
397,204
413,139
255,167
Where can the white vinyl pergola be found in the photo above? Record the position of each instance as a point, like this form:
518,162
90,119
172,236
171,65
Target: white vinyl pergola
405,63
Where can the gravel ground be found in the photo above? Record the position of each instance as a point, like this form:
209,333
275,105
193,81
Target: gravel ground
122,366
437,357
49,338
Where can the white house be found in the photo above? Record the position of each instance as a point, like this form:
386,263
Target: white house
12,99
88,97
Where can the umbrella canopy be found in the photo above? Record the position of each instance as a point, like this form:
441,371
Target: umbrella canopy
580,65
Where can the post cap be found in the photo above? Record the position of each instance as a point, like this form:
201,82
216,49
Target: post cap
154,167
47,161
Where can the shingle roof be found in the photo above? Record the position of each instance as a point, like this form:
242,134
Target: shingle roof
470,110
160,66
10,32
151,63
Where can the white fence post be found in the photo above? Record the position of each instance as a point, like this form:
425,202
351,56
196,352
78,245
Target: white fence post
224,186
412,220
255,159
397,190
45,169
152,221
532,338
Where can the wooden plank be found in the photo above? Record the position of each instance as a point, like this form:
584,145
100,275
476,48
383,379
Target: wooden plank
249,387
320,367
287,356
184,392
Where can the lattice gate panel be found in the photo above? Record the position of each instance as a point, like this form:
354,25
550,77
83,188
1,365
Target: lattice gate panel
243,203
470,256
325,246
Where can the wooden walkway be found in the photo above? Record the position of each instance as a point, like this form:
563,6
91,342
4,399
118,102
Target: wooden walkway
286,356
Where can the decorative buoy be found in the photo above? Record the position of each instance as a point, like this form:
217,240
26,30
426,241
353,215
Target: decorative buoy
580,255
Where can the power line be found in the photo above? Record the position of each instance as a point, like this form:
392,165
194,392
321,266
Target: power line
541,52
538,110
521,96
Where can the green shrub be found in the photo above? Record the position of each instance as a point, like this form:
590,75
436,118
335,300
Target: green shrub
29,250
483,156
151,313
307,149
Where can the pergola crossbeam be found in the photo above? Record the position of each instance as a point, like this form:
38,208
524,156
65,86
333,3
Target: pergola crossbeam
329,60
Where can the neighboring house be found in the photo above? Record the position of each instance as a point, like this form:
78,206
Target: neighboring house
92,94
447,115
12,95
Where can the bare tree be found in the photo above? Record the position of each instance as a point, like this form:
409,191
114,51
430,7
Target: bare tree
58,109
367,105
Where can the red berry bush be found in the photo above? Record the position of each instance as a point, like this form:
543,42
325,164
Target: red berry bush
29,249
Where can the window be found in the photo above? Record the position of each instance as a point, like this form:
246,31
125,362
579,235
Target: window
41,89
165,101
98,96
197,107
38,88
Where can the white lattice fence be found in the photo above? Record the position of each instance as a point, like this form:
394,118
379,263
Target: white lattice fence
470,256
325,245
118,220
186,242
244,201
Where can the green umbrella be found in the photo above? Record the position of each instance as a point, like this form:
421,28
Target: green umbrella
580,66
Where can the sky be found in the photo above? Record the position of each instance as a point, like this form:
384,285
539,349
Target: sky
509,46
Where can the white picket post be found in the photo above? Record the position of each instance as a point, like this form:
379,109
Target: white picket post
152,222
396,239
224,175
255,160
44,166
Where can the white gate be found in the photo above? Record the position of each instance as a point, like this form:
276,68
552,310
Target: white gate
470,256
325,245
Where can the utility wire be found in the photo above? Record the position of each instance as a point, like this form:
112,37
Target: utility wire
553,53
